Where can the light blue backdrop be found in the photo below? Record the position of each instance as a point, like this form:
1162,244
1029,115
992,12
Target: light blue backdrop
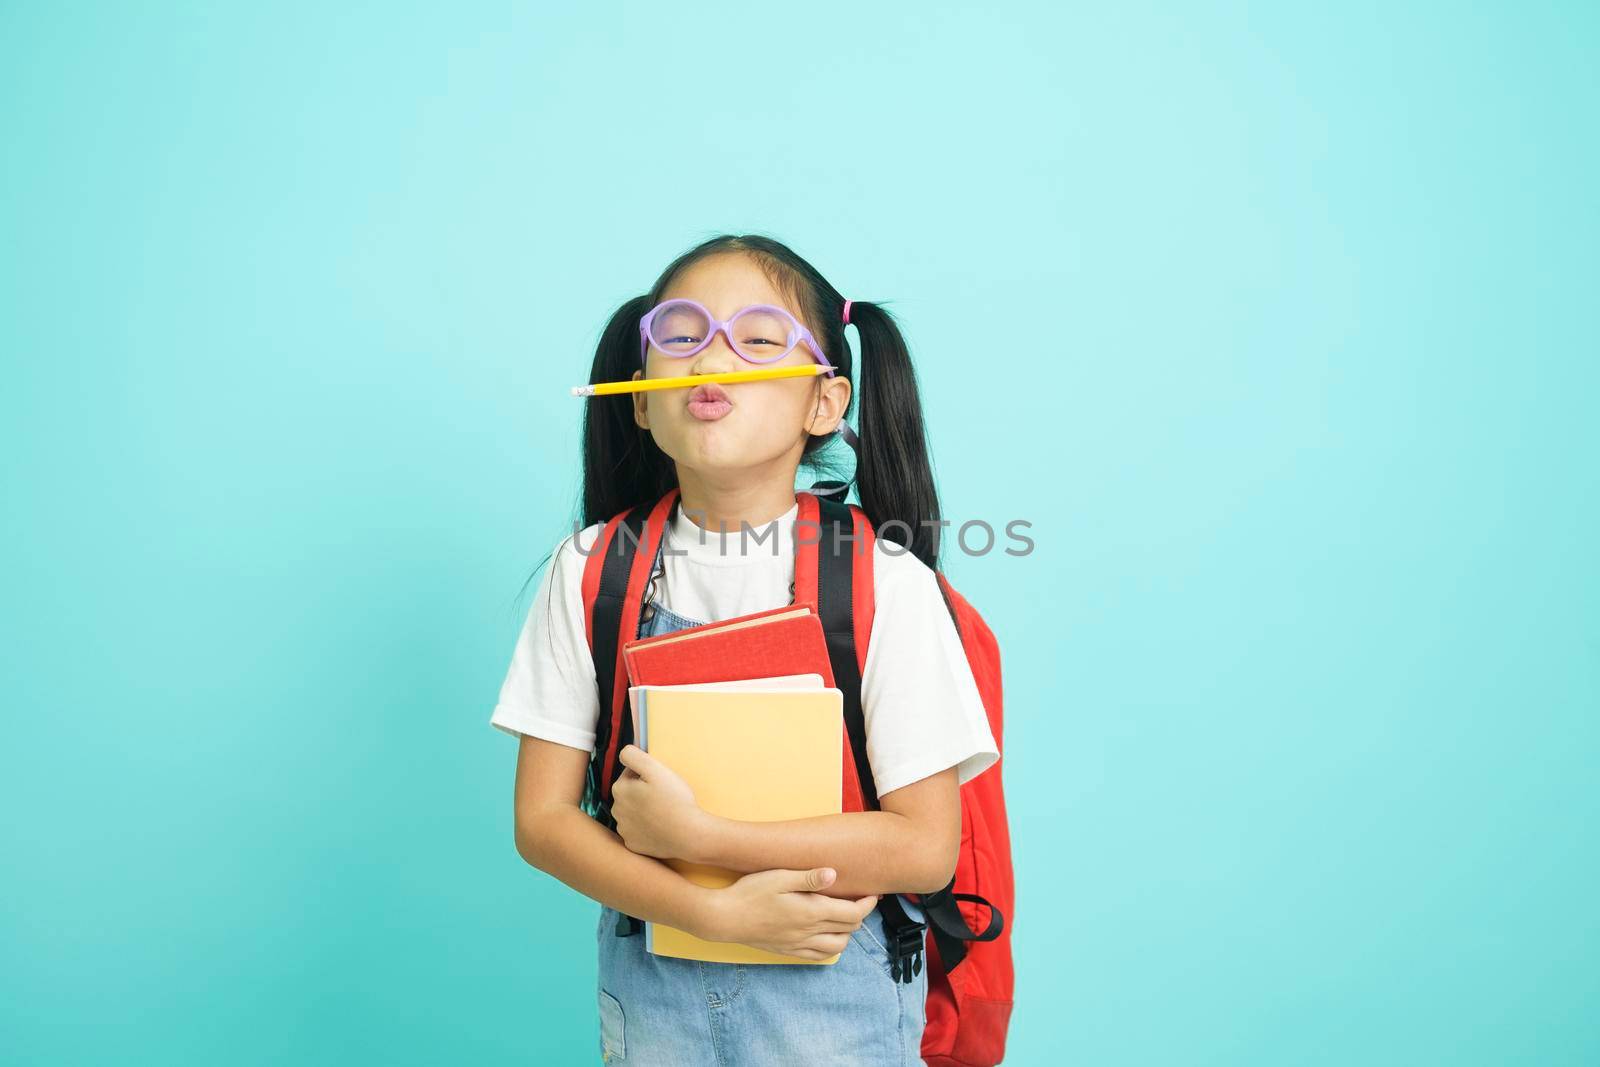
1278,325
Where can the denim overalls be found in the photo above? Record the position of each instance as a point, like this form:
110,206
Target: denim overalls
663,1011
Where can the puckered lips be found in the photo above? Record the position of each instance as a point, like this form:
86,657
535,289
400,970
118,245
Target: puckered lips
709,402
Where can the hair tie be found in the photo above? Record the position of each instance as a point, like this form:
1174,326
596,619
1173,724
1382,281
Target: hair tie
847,304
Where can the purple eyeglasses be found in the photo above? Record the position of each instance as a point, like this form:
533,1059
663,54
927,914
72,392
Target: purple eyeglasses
760,333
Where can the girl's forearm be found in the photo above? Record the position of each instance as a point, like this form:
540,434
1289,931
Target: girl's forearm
871,851
572,847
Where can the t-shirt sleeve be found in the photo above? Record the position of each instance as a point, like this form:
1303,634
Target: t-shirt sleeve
918,697
549,691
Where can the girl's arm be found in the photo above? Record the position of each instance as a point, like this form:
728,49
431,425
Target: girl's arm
911,845
555,835
783,911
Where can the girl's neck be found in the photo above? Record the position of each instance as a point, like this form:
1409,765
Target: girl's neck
721,508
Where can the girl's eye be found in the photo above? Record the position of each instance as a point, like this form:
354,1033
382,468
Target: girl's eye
758,341
682,340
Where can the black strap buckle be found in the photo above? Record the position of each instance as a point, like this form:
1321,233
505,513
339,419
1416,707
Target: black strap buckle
905,952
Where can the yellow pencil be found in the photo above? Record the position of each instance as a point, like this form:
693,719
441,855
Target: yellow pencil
640,385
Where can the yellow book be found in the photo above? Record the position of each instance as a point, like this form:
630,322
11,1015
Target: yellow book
756,754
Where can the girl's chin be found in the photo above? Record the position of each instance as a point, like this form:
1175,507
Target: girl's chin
704,448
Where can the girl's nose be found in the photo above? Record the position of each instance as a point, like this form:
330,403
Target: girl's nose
716,357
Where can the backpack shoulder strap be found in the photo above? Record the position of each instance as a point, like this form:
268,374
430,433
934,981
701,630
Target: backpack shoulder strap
845,595
614,580
833,570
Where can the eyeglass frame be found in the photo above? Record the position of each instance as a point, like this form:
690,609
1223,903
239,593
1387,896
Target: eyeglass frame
648,319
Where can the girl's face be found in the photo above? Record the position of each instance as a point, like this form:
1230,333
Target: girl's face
768,422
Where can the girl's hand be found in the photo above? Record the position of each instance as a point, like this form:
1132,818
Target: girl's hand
780,911
654,808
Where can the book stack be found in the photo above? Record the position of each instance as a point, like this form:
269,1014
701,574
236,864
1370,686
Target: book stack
743,712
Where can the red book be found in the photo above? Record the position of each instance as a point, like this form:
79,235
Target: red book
764,644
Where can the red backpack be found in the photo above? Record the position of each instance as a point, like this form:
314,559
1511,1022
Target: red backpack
970,975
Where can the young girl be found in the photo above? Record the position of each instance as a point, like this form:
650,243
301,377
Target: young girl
728,550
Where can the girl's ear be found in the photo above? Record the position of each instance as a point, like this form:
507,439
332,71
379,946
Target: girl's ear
831,402
641,411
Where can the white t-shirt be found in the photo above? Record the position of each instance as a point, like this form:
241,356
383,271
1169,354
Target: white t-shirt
918,697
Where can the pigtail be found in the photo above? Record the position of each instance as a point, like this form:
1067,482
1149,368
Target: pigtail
622,464
894,477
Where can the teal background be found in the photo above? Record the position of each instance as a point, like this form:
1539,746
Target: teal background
1277,324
